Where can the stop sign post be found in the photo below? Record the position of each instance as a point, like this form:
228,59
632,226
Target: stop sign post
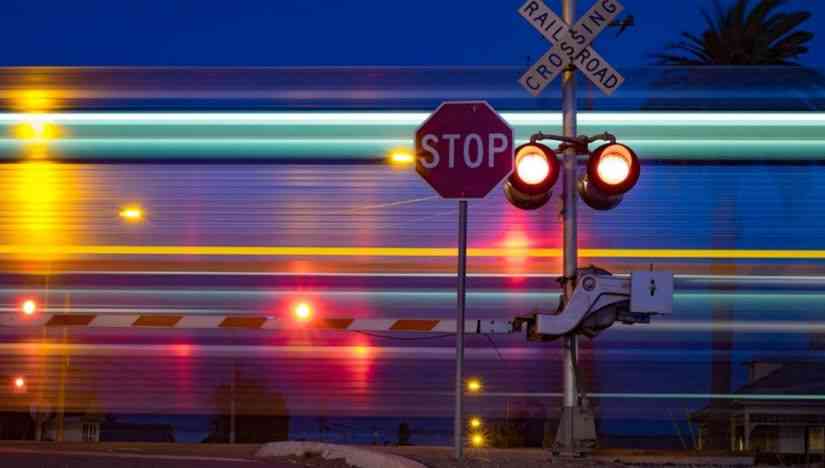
463,150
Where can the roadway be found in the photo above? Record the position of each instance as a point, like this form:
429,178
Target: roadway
29,455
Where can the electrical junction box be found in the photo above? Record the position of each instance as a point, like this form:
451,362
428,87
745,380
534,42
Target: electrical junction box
651,292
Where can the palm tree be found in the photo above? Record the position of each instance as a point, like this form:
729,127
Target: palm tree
740,35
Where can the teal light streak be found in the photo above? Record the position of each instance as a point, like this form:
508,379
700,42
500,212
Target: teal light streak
370,135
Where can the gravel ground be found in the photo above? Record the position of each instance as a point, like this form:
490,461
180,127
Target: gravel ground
310,461
143,448
433,457
442,457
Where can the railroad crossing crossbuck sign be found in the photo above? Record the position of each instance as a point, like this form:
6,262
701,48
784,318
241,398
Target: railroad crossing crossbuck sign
571,46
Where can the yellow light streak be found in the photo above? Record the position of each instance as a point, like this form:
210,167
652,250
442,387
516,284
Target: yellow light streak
40,197
332,251
704,253
132,213
35,135
36,100
36,130
401,157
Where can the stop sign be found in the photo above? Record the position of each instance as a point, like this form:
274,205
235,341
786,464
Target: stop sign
464,149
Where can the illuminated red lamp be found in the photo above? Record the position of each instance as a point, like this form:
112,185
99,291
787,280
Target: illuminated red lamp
28,307
536,171
19,383
302,312
612,170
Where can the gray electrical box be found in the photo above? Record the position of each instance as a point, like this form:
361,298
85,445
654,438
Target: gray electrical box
651,292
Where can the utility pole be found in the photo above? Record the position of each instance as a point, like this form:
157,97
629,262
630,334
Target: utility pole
458,420
572,51
61,396
232,409
569,214
572,425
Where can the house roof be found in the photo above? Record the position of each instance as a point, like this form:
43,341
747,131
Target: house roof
794,378
791,378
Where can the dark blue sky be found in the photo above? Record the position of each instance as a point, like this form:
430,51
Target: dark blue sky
321,32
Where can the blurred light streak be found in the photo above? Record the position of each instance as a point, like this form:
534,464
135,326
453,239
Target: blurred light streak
668,396
302,312
517,244
653,119
28,307
344,353
223,142
35,135
401,157
473,385
361,351
131,213
36,130
182,350
39,207
663,135
19,383
43,221
362,362
393,204
355,149
704,253
768,280
754,326
36,100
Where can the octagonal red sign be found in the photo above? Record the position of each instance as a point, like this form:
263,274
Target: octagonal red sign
464,149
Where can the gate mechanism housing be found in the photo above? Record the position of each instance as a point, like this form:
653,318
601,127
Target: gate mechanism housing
601,299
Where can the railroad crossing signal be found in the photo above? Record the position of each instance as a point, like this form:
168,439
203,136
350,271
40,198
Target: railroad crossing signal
571,46
612,170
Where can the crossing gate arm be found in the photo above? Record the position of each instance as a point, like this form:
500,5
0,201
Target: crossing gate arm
252,322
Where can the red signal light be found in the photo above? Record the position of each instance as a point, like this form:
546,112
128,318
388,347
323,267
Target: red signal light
613,168
19,383
532,168
28,307
537,169
302,312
